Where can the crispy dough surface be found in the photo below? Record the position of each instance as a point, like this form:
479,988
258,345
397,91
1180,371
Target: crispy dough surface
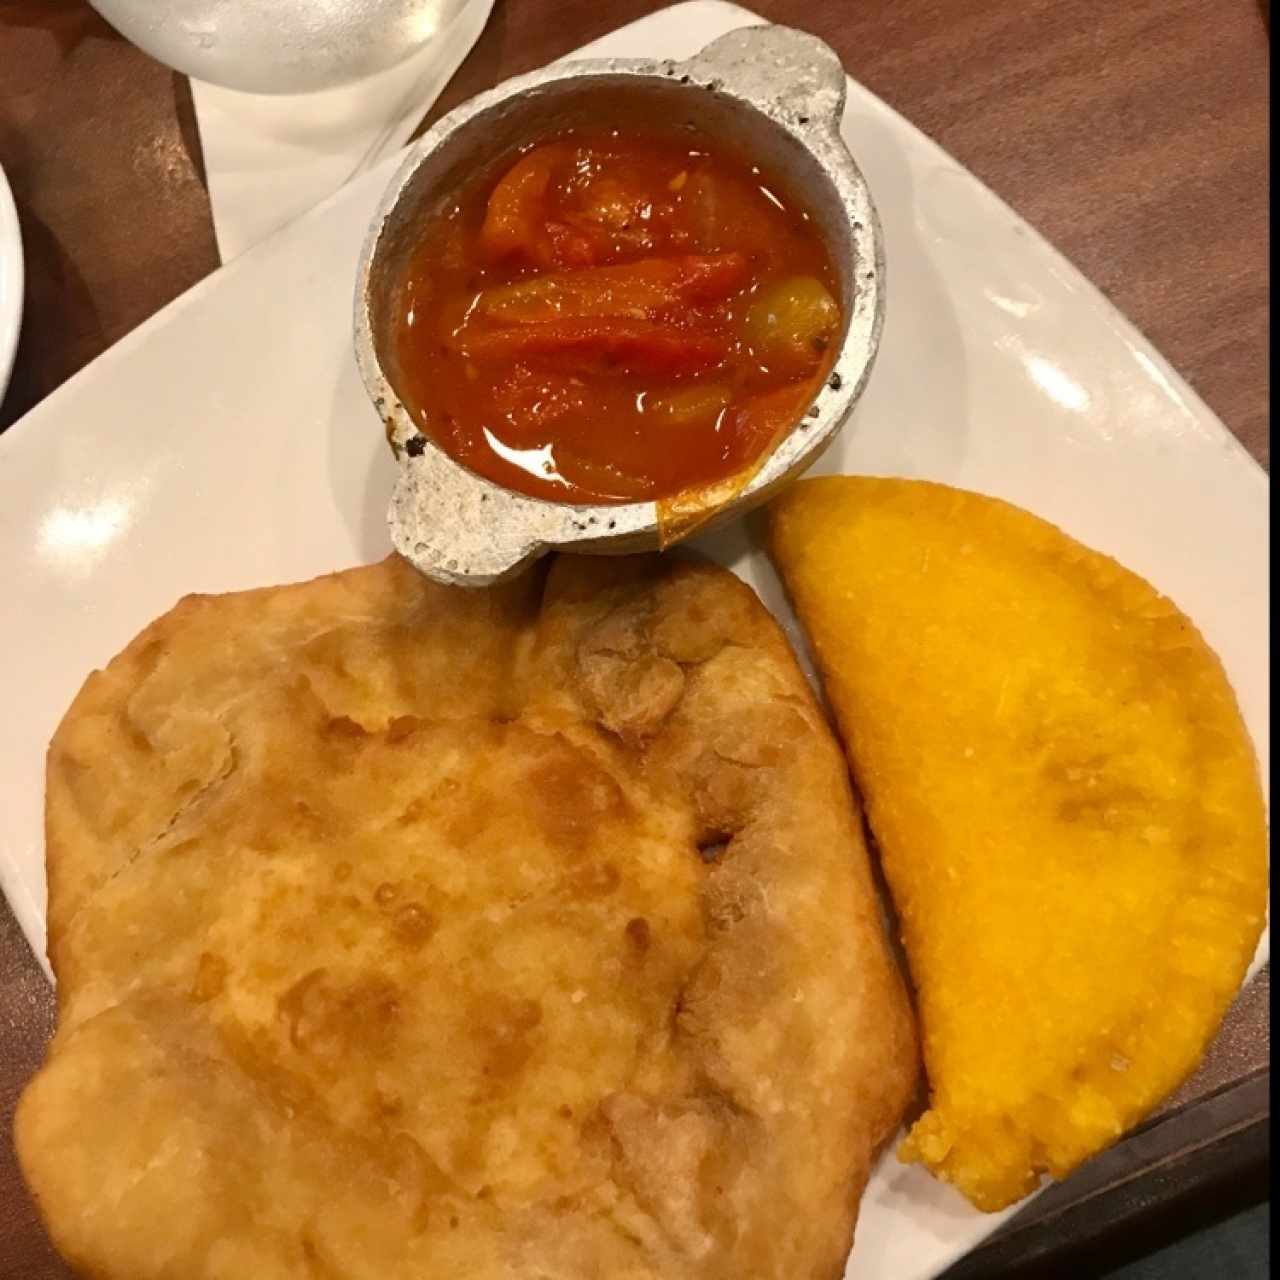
1066,802
386,948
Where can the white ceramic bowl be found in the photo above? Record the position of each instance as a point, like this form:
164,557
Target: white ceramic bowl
10,282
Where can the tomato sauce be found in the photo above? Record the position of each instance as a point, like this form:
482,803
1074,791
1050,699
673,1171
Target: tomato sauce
614,317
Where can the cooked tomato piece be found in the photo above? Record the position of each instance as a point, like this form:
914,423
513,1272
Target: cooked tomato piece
597,345
568,246
689,406
637,290
532,403
514,223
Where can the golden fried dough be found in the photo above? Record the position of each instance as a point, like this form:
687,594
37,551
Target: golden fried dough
407,932
1066,802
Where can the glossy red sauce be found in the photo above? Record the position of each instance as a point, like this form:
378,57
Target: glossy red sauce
615,317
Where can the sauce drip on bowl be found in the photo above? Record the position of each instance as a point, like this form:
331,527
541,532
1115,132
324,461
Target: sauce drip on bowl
614,317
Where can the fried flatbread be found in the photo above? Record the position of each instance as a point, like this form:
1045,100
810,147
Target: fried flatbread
1066,802
408,932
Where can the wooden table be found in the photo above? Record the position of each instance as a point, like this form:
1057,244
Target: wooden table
1133,135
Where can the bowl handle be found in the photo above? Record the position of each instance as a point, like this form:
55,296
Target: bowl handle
798,76
454,527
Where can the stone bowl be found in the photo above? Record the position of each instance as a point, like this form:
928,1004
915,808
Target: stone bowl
771,93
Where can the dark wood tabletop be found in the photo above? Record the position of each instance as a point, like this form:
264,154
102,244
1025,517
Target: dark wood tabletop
1134,136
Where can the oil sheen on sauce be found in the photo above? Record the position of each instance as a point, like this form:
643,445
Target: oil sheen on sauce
613,317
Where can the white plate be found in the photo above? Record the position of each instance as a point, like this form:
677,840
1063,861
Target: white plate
227,443
10,282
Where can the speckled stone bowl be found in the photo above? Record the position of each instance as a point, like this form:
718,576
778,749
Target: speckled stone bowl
772,93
